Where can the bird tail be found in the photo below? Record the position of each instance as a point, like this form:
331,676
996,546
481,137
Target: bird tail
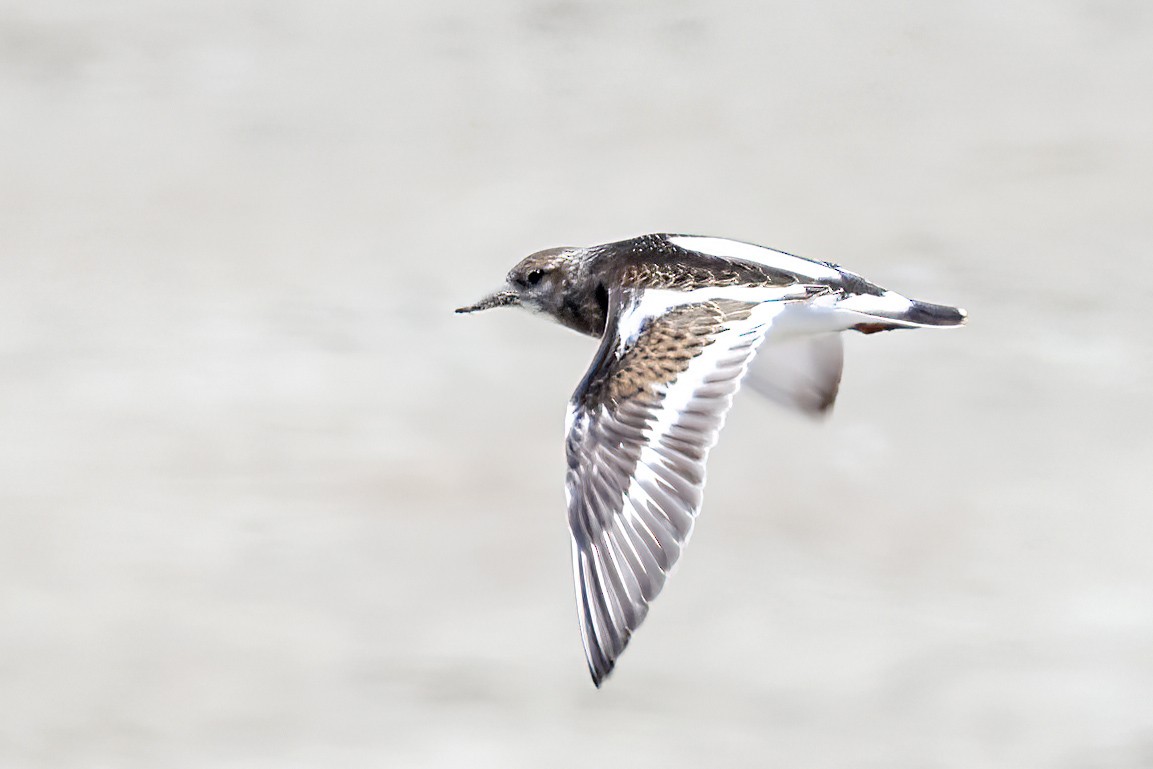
889,311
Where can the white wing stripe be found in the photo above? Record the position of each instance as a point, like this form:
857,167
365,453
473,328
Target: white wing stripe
735,249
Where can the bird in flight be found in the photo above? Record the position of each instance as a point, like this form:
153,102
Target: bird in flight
682,320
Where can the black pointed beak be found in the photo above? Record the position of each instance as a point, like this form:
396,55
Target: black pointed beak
502,298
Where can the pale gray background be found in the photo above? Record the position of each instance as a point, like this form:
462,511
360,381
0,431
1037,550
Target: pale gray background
265,502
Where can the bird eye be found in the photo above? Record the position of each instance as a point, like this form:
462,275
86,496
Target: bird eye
534,277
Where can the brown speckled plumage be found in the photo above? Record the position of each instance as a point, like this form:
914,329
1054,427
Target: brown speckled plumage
679,276
664,349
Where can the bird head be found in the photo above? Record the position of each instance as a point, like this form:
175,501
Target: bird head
537,283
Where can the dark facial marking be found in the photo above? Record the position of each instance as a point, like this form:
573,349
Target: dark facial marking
602,297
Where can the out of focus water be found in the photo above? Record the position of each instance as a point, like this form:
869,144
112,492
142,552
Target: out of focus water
265,502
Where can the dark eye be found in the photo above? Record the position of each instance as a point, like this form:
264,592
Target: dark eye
534,277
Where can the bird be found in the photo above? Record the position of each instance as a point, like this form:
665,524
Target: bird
683,321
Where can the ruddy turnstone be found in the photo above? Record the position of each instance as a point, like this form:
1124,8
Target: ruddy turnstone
682,320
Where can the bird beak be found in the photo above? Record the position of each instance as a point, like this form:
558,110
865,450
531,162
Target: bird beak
502,298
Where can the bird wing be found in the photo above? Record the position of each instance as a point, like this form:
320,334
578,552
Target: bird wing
799,372
640,427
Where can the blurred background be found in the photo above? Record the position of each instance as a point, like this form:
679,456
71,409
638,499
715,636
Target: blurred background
266,502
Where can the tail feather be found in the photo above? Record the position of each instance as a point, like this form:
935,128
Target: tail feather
926,314
888,311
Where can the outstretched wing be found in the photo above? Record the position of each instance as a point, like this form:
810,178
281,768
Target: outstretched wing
640,428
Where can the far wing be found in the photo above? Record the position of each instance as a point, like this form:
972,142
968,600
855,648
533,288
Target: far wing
799,372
